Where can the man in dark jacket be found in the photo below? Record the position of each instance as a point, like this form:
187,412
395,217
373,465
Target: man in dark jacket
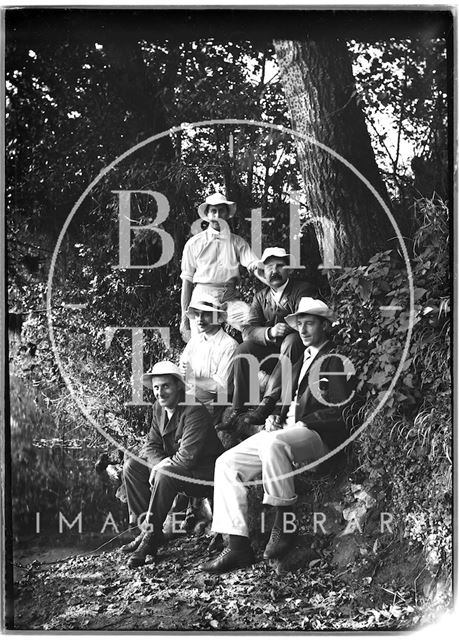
308,429
179,453
267,334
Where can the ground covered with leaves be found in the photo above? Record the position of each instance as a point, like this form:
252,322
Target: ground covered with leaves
99,592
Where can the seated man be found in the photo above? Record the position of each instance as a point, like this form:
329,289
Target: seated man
211,259
181,446
207,360
207,366
266,334
304,432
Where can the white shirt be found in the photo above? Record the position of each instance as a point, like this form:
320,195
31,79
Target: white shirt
213,257
309,354
278,293
207,362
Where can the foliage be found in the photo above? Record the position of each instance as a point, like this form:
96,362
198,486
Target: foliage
407,446
52,474
402,86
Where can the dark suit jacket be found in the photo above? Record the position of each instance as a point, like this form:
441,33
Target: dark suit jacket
189,438
265,313
327,421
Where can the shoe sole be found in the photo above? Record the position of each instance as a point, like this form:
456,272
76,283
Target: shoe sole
227,570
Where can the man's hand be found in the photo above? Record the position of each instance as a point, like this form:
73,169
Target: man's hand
164,463
279,330
185,330
273,423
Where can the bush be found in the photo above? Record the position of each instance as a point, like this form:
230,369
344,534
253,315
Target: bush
406,451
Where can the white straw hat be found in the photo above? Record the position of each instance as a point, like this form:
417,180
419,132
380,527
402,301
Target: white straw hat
205,302
273,252
163,368
313,307
215,199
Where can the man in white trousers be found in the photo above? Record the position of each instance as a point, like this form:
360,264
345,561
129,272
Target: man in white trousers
306,430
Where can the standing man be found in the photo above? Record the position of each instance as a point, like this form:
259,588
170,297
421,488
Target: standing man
268,334
212,258
181,447
305,431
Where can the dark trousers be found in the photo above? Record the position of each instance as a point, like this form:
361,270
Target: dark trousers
156,501
290,347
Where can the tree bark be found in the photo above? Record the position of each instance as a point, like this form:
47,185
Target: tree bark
320,91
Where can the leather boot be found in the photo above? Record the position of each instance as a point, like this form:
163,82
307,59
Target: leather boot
147,547
228,560
230,423
132,546
259,415
279,541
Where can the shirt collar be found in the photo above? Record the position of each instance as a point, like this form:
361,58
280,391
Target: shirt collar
315,350
215,337
278,293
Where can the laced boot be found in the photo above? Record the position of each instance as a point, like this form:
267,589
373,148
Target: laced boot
129,547
259,415
279,541
228,560
230,423
148,547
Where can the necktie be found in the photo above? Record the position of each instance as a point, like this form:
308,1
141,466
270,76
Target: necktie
306,362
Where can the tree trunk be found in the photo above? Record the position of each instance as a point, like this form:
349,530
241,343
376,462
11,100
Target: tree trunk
320,91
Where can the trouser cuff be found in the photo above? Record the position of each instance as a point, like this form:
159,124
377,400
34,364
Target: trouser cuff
279,502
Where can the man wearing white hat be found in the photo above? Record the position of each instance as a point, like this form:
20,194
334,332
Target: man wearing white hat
207,360
267,334
211,259
306,430
181,447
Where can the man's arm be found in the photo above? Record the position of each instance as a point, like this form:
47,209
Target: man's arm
198,423
256,322
187,290
336,390
224,374
247,257
153,449
187,273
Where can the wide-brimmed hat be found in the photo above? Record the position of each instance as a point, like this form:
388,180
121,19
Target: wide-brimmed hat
214,199
313,307
273,252
163,368
206,302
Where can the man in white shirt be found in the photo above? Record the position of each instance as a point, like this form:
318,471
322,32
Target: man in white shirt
207,360
306,430
212,258
207,367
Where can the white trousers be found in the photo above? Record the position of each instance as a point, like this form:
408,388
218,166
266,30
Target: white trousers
270,453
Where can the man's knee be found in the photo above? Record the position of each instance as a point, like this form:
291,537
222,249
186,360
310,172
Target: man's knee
274,447
132,467
291,341
248,346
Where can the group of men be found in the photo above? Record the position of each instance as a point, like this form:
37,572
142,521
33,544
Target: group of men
268,379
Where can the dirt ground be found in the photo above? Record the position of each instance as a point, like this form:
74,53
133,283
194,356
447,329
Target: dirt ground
99,592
